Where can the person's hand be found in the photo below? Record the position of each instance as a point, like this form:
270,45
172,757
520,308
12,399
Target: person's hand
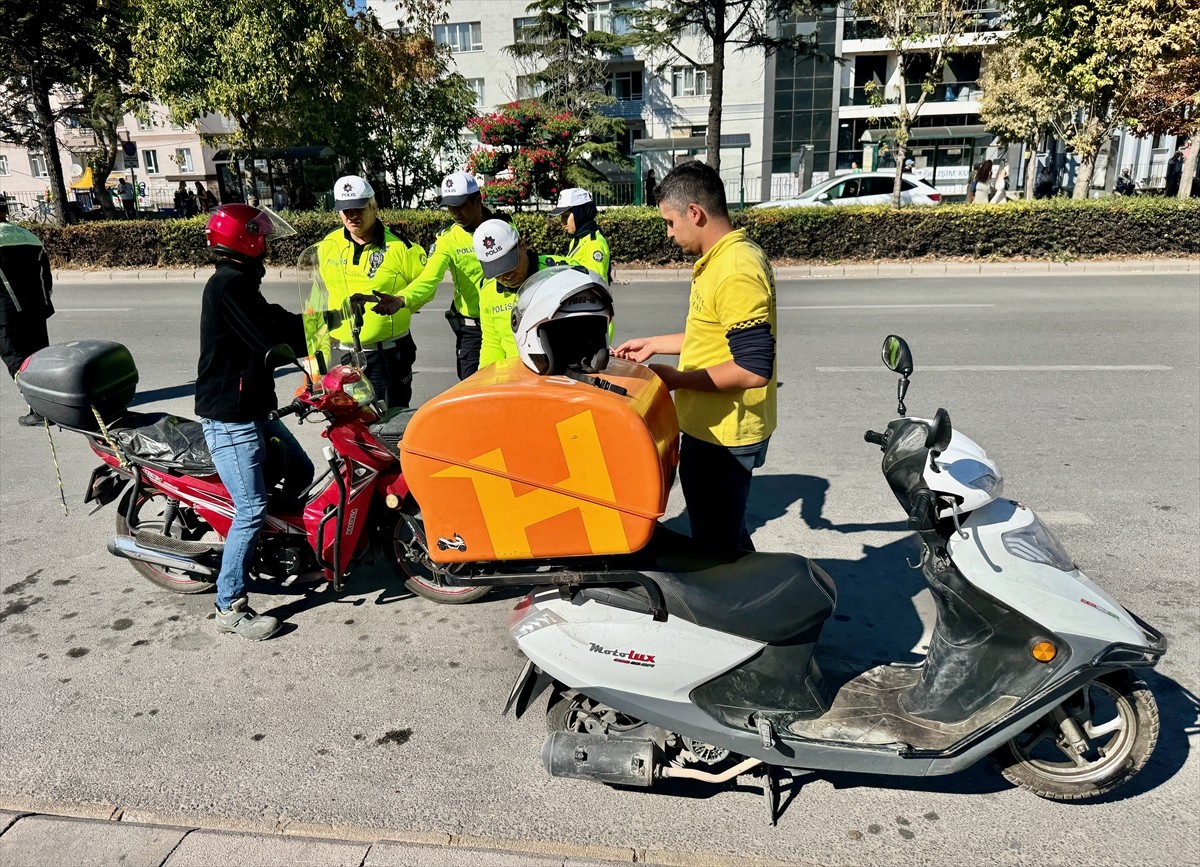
638,349
386,305
668,373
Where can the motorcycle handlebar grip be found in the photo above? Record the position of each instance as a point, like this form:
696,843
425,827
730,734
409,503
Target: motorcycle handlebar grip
875,438
277,414
920,511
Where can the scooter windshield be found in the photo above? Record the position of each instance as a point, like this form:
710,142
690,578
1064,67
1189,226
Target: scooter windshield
328,317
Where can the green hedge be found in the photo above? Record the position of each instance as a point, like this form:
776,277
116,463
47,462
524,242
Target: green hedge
1056,228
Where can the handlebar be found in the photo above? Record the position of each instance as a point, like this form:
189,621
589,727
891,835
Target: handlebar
921,515
291,409
875,438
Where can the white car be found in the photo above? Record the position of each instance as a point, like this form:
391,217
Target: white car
861,188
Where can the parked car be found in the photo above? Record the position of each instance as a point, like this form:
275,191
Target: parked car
861,188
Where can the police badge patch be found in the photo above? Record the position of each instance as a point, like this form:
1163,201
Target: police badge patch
376,260
598,256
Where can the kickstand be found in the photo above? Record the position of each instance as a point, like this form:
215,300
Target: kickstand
771,793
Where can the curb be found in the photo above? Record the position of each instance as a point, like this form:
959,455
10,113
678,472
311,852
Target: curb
571,852
783,272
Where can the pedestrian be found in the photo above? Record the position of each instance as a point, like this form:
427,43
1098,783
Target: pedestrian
364,257
506,262
909,165
1124,185
1174,174
1000,195
1043,187
181,200
25,303
279,198
854,167
651,189
126,194
201,196
589,247
452,250
725,381
980,186
235,394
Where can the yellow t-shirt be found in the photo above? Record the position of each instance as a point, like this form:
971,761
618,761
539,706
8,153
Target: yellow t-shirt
733,286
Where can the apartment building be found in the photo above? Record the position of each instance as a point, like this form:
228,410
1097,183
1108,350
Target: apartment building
165,154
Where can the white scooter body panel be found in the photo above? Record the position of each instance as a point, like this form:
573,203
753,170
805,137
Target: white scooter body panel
583,644
1062,601
965,470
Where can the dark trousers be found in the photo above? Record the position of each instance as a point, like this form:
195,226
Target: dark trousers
391,371
468,341
24,335
716,486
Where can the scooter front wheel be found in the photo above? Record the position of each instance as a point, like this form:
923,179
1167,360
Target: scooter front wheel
410,559
1095,741
149,513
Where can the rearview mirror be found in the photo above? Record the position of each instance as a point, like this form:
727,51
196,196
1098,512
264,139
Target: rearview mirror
823,197
279,355
896,355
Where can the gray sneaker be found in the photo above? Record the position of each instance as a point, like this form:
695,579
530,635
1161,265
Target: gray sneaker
242,620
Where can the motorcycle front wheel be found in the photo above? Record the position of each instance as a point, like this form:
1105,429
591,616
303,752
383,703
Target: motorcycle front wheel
410,558
1115,719
149,513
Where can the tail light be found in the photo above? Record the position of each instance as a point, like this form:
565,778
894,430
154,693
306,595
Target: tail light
520,611
936,198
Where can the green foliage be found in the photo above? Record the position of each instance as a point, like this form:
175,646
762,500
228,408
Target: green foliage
1057,229
537,145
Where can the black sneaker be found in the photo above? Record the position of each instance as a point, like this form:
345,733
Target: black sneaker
242,620
31,419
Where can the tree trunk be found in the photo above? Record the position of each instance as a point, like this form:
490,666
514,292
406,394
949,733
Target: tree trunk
1030,170
716,82
49,138
1091,143
1189,166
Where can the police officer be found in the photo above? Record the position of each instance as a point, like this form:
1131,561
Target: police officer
589,247
365,257
453,250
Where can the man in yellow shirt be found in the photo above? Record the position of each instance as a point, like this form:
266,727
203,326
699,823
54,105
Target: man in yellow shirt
365,258
725,382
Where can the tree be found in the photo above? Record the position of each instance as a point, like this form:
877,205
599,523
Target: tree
921,33
568,67
719,25
55,53
1098,53
1019,105
531,147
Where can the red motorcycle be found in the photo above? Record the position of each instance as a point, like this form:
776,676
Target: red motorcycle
174,517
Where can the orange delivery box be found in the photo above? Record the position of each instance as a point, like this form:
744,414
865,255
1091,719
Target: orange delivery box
510,465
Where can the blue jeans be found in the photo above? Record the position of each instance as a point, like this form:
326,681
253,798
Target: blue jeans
239,451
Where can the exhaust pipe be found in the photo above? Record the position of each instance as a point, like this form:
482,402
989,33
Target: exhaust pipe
127,547
617,761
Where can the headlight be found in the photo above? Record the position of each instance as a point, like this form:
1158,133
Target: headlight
988,483
362,391
1037,544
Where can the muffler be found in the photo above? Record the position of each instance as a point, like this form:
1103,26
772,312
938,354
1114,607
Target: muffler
617,761
128,547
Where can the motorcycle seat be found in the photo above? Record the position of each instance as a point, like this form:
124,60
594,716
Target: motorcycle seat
761,596
163,441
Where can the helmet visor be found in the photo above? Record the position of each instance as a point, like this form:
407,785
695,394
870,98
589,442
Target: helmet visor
270,225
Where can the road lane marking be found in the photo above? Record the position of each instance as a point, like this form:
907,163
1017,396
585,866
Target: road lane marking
1015,368
92,309
880,306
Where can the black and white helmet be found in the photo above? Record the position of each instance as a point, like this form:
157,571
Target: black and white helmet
561,321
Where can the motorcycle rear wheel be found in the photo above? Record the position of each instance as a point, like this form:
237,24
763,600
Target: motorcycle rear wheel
148,515
418,577
1118,719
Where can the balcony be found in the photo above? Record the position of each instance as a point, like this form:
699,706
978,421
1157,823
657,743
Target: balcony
626,109
946,92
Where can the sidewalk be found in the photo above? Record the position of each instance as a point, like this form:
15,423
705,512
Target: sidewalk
783,272
100,836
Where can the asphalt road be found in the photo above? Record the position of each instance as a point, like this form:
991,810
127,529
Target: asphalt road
382,710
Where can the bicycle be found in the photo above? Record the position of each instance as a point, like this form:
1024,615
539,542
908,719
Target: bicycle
41,213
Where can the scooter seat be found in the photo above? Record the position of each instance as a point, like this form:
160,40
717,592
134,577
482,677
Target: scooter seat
165,441
763,597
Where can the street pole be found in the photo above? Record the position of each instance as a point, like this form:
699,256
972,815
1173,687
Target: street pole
742,183
638,198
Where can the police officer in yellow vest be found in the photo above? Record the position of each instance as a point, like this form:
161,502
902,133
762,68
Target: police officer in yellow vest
363,258
589,247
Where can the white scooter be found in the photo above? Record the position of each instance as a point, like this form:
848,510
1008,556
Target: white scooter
676,664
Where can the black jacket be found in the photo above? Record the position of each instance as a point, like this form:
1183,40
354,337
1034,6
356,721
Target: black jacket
25,281
237,327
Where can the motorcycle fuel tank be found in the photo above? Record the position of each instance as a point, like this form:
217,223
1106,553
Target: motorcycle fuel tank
510,465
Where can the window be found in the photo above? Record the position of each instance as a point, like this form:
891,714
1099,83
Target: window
522,31
183,158
689,81
625,85
460,37
37,166
476,84
879,186
611,16
527,89
3,164
145,123
150,159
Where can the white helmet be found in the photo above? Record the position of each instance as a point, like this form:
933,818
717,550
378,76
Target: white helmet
561,321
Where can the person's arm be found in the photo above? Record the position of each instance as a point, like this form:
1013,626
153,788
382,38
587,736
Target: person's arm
643,348
726,376
420,291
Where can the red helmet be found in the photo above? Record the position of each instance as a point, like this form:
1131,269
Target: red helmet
242,231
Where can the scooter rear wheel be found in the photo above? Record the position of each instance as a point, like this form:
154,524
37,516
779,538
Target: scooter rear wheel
408,536
1117,719
148,514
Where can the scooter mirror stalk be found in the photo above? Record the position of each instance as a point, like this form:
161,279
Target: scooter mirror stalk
898,357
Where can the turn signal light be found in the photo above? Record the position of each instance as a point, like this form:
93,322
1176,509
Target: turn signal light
1044,651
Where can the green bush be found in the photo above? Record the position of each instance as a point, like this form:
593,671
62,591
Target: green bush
1055,228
